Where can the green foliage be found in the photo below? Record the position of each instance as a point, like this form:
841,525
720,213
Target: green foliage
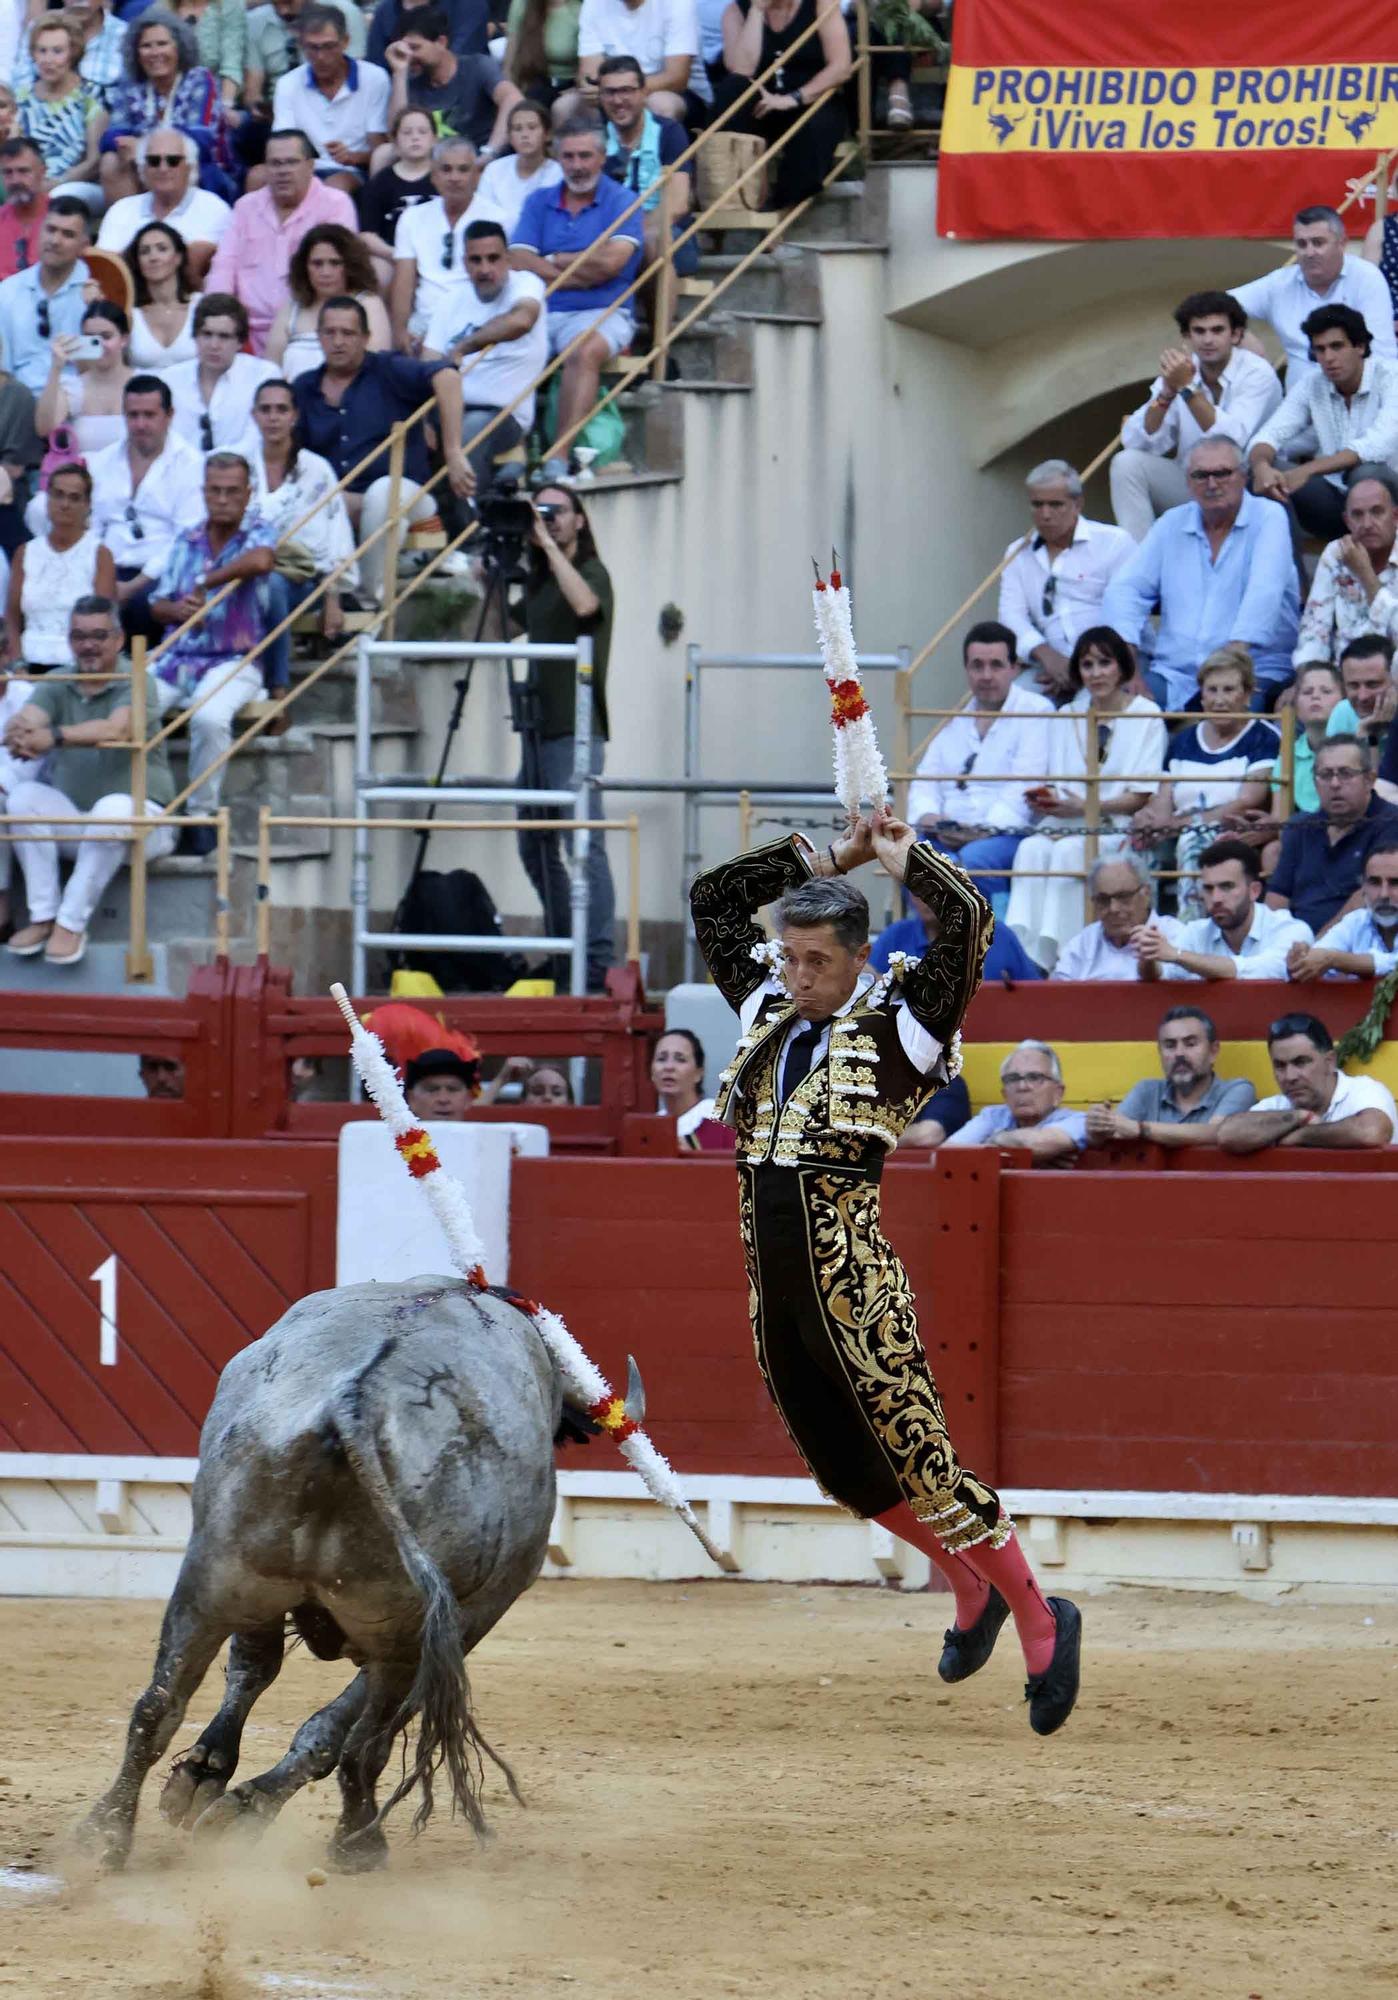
1359,1042
900,24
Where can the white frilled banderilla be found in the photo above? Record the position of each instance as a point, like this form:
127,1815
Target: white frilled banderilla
584,1384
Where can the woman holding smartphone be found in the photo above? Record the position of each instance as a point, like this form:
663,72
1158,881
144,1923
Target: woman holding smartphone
87,374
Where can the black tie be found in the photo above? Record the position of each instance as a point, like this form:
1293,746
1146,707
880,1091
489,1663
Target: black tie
801,1055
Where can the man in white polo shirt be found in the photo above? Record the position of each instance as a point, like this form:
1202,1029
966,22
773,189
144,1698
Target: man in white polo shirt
429,245
1323,273
1316,1105
168,162
1052,587
496,330
340,104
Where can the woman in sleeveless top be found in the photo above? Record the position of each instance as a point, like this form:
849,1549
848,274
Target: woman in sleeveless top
86,395
162,329
757,33
329,262
50,574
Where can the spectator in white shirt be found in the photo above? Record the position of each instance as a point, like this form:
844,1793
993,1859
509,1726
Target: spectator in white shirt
429,245
1212,384
168,163
1119,889
1032,1119
507,183
1051,590
147,488
663,36
1344,412
213,394
496,330
1355,587
998,736
340,103
1315,1105
1363,943
1321,274
1237,938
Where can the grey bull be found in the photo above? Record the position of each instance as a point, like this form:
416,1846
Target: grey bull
378,1470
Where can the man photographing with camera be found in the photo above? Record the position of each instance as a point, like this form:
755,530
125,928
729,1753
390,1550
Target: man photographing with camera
567,596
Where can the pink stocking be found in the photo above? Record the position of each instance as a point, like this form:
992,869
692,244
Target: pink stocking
971,1591
1008,1570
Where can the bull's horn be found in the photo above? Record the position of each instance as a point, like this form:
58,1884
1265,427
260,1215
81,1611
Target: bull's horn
635,1392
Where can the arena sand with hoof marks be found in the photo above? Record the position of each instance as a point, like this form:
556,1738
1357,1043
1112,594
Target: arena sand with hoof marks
750,1789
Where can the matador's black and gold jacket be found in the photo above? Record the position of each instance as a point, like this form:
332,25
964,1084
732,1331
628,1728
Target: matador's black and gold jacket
850,1110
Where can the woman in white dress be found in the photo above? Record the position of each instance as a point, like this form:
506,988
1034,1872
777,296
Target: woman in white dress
329,262
86,395
506,183
50,574
677,1072
162,331
1046,889
286,483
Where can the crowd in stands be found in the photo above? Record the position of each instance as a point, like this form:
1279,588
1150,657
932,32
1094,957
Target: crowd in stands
238,242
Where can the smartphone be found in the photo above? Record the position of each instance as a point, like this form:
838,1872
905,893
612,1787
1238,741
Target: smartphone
86,347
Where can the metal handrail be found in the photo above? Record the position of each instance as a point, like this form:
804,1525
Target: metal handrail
148,821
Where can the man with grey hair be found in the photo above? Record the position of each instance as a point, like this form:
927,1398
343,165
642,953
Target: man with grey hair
1032,1118
1120,891
1355,588
831,1068
556,224
1052,586
206,669
168,163
429,246
1321,271
1219,568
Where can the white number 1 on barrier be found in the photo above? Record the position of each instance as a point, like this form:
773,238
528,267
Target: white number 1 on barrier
105,1279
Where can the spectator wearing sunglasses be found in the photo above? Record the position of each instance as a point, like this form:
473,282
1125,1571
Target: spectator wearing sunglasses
213,394
169,167
147,488
429,245
47,298
1053,583
25,206
968,796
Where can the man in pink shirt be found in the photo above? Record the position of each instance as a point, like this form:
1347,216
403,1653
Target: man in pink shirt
22,215
255,254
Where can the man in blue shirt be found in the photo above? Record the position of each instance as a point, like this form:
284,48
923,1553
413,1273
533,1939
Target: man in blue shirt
555,225
1031,1119
1219,568
350,403
48,297
1006,959
1323,853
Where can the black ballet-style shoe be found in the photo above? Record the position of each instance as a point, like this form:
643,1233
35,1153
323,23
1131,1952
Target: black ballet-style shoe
965,1653
1051,1695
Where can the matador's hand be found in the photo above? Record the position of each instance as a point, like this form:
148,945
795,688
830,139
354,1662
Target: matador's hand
855,848
893,841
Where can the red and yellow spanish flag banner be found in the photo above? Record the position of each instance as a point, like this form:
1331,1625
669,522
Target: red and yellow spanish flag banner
1093,119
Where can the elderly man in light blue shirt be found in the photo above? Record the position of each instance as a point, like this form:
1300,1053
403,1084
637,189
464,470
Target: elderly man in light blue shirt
1032,1118
1219,568
48,297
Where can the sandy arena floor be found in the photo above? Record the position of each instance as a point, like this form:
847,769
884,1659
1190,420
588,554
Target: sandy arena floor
742,1789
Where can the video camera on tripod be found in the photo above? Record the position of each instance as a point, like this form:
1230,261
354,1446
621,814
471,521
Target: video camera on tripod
506,517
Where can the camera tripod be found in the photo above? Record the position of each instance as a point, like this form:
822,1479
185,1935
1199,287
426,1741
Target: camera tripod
503,567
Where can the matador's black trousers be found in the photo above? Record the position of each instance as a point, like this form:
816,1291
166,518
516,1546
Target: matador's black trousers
835,1328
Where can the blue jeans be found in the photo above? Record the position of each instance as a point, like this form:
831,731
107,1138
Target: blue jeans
995,850
543,858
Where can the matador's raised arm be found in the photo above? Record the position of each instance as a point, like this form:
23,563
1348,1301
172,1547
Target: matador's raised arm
725,902
942,985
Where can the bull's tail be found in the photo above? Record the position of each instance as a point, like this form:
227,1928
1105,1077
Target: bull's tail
440,1696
